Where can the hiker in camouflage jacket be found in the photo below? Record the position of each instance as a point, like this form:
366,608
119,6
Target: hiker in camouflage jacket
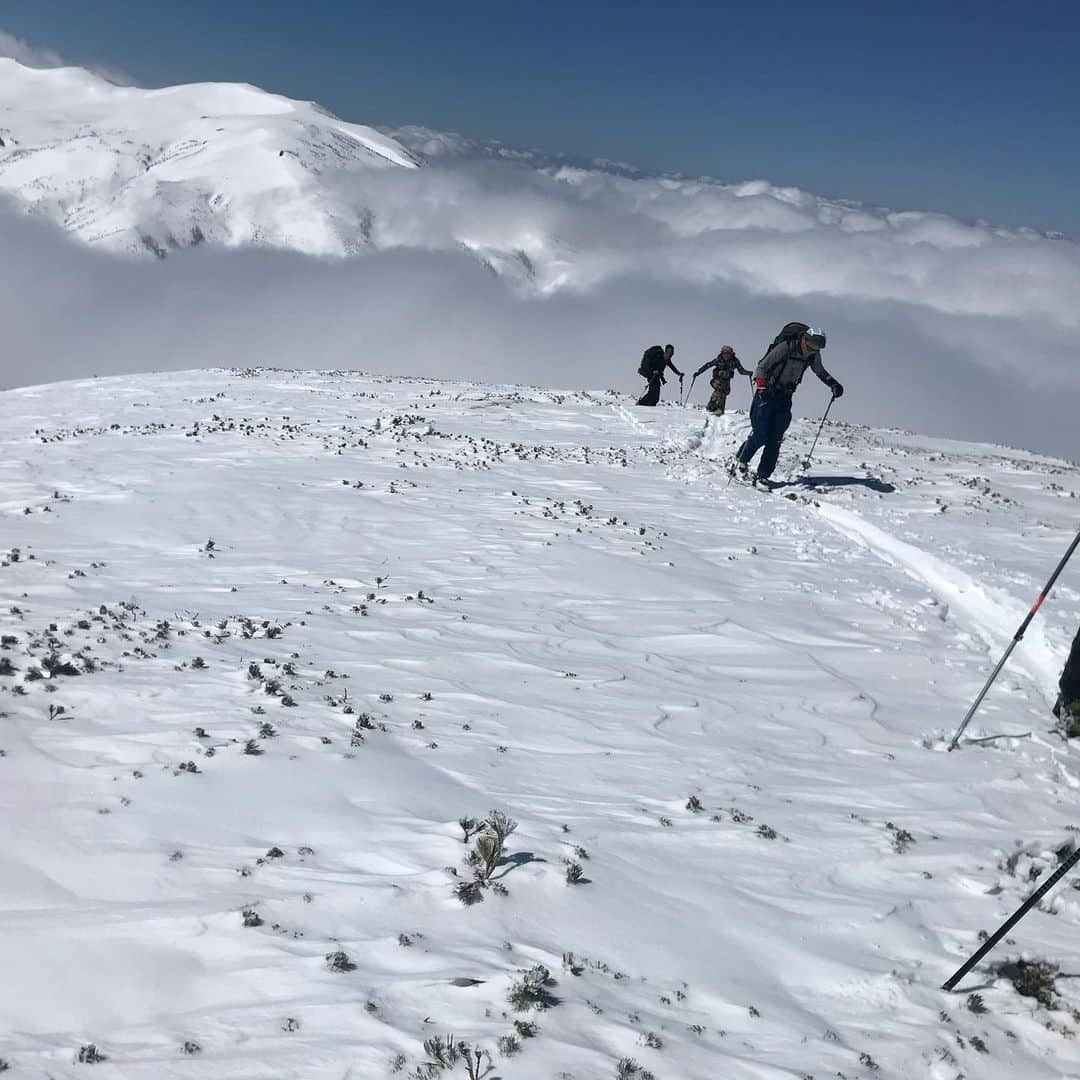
724,367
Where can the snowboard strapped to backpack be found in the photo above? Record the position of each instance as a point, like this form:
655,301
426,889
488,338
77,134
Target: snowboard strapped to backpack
652,362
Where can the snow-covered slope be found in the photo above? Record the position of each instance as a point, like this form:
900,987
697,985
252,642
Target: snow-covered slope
135,169
294,626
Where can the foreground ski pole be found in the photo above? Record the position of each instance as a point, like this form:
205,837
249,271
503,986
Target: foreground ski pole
689,392
1006,926
806,460
1017,638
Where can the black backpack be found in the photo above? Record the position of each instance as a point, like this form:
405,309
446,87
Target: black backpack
792,332
653,362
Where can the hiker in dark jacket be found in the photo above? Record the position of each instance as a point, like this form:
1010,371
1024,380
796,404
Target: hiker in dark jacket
1067,709
724,368
776,378
653,365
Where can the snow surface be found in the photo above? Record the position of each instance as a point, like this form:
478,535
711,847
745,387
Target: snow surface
605,628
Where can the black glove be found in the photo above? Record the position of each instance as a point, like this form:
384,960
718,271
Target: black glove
837,389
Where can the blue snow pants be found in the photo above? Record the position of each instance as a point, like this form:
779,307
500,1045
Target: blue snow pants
769,419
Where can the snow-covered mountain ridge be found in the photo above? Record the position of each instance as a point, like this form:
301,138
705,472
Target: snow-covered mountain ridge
268,635
133,169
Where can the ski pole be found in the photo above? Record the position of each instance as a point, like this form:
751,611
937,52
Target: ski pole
1017,638
690,391
806,461
1006,926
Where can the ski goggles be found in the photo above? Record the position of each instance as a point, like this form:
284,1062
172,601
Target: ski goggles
816,336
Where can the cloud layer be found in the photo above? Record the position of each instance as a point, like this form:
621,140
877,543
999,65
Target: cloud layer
68,312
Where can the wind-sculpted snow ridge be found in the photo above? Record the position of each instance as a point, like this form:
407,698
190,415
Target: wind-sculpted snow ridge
369,726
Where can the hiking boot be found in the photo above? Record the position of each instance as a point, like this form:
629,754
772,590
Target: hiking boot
739,469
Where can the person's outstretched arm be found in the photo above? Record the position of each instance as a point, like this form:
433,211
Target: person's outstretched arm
705,367
819,370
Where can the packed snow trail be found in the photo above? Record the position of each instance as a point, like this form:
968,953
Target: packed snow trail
316,618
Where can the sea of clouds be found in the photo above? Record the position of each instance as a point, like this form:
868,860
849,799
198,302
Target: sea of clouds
485,268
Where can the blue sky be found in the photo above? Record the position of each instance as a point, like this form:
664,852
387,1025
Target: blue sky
967,108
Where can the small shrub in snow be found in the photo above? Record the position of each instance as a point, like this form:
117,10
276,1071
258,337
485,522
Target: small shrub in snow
526,1029
652,1040
530,991
339,961
629,1069
253,748
868,1062
901,839
486,856
190,1048
89,1055
979,1045
975,1004
575,875
54,666
468,827
469,892
446,1053
767,832
1034,979
509,1045
693,804
275,853
252,917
